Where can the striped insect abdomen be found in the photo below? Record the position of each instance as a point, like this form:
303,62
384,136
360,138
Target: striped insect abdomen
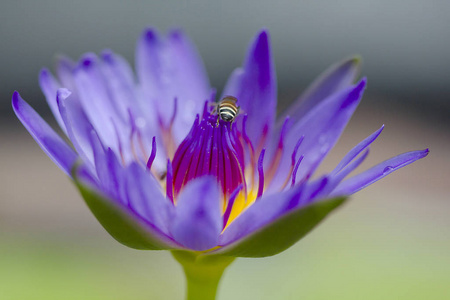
227,109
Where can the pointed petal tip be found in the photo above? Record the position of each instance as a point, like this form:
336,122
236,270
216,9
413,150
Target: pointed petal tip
355,93
378,132
362,83
15,101
46,79
87,60
43,73
424,153
150,34
264,34
358,89
107,55
64,61
62,93
262,39
176,33
356,60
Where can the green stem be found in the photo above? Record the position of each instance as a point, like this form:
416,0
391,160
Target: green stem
202,272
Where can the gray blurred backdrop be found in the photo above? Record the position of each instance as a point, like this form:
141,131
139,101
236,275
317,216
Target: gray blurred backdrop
391,241
404,44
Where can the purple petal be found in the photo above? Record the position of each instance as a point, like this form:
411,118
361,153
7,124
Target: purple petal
321,129
357,150
77,124
147,199
198,222
337,77
360,181
168,69
44,135
49,86
193,79
255,88
95,100
261,213
121,221
119,82
337,177
64,69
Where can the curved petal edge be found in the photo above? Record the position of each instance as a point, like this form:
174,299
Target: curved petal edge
283,232
123,226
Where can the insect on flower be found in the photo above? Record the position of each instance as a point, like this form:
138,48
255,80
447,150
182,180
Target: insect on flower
247,190
227,109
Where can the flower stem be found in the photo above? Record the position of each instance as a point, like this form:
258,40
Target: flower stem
202,272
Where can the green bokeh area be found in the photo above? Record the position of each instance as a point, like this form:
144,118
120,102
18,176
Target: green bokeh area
388,241
357,253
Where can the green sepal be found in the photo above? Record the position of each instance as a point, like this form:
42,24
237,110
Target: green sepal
122,225
282,233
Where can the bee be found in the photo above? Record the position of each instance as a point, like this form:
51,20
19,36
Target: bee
227,109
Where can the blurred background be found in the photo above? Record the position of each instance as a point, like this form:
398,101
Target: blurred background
392,241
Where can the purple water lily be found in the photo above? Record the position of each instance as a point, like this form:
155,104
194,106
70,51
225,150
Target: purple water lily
160,169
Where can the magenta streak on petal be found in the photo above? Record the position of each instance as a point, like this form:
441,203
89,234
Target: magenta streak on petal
227,163
222,162
152,155
230,203
201,151
183,156
238,166
205,163
185,144
185,164
229,156
261,173
294,173
212,148
169,181
215,153
195,157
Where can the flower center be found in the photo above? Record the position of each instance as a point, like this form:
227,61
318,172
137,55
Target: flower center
222,149
210,148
